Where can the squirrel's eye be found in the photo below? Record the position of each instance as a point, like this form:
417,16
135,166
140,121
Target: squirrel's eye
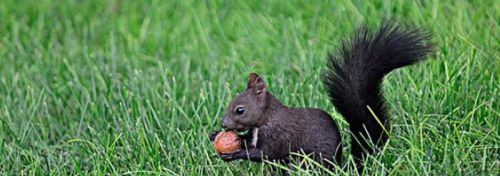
240,110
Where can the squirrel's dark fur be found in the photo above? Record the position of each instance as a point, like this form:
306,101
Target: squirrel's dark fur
352,78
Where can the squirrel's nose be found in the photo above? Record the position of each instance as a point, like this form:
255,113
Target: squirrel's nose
225,122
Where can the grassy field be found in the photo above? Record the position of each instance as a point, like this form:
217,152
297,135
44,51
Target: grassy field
135,87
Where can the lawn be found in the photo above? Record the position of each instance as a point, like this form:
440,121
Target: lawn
135,87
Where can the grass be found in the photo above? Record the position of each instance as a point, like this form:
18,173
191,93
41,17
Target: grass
134,87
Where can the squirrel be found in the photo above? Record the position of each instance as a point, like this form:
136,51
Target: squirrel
352,78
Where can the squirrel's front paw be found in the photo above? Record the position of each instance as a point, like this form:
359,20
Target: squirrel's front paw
213,134
230,156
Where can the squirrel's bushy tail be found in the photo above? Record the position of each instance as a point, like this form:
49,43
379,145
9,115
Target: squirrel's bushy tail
354,75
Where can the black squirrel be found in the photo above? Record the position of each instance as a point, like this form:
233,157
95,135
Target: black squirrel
353,77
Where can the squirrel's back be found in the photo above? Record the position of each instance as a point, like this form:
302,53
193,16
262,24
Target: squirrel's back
307,130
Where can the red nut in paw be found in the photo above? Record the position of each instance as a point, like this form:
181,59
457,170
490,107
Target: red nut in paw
227,142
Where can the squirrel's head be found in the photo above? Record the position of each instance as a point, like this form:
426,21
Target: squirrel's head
246,110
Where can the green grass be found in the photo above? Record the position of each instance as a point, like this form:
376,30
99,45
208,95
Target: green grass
135,87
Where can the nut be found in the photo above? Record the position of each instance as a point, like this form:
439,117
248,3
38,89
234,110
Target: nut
227,142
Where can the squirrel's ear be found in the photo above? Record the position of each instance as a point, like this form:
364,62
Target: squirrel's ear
256,83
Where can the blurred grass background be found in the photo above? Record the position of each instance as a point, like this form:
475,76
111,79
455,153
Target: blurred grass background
134,87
